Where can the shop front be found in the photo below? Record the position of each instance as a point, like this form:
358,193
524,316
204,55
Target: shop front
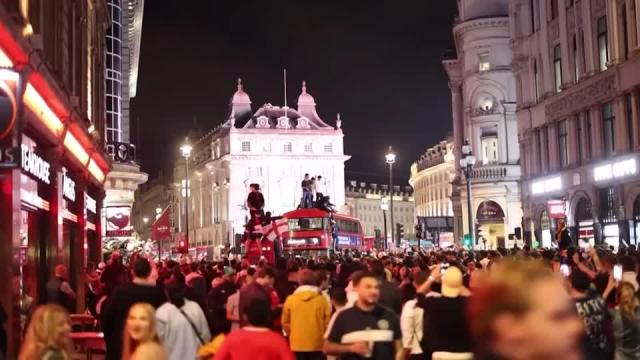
491,224
49,167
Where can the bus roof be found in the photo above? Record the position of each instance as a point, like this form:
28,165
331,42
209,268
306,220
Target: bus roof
313,212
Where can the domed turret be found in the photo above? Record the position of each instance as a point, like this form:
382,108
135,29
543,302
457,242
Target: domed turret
305,98
240,97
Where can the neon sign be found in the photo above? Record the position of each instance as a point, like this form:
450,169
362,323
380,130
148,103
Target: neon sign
68,186
615,170
35,165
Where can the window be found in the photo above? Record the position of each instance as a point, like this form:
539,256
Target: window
588,137
625,32
544,133
483,61
306,224
608,118
489,146
576,59
629,118
288,147
536,76
603,43
580,137
308,147
328,148
562,144
553,11
557,68
532,4
246,146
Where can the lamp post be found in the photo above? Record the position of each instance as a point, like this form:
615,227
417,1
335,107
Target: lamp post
186,152
466,163
384,206
391,158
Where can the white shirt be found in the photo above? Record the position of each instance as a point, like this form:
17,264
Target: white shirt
411,325
320,187
177,334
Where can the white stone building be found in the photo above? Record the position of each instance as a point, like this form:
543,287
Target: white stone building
364,202
578,75
431,178
483,90
273,147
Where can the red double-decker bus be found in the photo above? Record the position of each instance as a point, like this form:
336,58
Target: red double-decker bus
311,232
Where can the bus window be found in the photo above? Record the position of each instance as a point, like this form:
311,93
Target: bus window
306,224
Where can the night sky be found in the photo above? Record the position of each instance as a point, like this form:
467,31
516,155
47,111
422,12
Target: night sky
375,62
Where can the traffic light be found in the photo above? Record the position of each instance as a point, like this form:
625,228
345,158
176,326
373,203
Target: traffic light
400,231
466,241
478,233
418,229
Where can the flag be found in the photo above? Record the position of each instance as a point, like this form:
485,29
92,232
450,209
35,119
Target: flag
280,226
161,227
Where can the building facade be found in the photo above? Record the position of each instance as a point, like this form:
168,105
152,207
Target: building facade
273,147
578,76
52,165
151,199
431,179
483,90
122,54
364,201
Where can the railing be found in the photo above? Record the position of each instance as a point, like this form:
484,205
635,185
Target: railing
496,172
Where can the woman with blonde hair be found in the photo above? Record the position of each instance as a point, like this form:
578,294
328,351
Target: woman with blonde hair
47,336
140,339
626,323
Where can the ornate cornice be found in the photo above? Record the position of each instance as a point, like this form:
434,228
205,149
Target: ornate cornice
581,97
482,23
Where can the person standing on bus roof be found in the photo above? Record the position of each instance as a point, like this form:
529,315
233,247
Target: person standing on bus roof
320,188
255,203
306,192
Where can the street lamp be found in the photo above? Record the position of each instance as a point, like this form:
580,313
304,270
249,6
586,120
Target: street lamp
384,206
145,220
186,152
391,158
466,163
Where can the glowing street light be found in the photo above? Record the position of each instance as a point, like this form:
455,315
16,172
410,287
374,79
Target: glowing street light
391,159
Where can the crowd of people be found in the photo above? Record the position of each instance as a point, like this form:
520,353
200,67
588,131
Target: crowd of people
444,304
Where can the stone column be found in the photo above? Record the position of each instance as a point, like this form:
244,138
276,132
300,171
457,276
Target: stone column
635,120
568,76
552,142
591,59
78,263
10,218
620,126
597,144
458,118
573,139
637,24
613,32
548,85
632,36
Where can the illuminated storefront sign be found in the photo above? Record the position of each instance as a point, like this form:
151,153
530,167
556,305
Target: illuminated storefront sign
546,185
556,209
615,170
35,165
119,221
90,204
68,186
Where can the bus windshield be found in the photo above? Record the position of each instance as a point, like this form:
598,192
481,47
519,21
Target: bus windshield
306,224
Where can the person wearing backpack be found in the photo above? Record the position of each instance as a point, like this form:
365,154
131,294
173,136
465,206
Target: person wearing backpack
181,324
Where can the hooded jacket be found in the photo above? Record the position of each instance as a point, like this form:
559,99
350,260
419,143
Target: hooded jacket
305,318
